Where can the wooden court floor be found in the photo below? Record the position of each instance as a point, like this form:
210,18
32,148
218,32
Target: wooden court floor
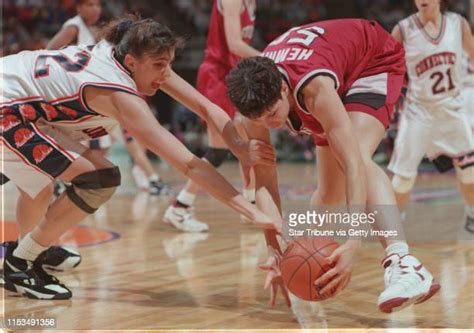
138,273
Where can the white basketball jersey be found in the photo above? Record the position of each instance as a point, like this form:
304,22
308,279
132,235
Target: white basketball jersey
84,34
433,64
51,85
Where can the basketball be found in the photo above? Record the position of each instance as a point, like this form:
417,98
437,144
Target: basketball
303,262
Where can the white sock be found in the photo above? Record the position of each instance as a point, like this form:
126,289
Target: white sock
249,194
469,209
154,177
186,198
28,249
400,248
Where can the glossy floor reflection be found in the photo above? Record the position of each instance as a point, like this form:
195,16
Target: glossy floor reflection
138,273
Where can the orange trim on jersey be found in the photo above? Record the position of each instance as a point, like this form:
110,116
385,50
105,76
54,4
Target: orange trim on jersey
23,99
432,40
53,143
24,159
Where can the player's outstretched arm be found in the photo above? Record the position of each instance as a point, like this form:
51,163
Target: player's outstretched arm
266,182
249,153
64,37
322,101
268,201
467,39
133,114
231,11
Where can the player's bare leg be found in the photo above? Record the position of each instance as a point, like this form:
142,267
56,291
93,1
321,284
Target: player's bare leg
402,198
29,211
466,187
402,288
93,180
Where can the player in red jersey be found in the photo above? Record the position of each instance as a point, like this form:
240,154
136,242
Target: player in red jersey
52,100
338,81
230,33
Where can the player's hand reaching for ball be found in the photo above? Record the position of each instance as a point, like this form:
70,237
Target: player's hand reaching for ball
274,281
342,263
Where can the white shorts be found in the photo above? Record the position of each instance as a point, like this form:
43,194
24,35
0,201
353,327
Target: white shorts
35,154
468,94
431,131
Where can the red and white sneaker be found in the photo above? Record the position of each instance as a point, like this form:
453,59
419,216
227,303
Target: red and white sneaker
407,281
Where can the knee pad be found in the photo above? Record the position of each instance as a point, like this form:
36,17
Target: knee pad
92,189
402,184
216,156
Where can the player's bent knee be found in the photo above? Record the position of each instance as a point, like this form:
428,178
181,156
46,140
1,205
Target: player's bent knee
216,156
465,175
403,184
92,189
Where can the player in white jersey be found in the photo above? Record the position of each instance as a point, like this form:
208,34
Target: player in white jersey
81,30
433,121
77,30
53,99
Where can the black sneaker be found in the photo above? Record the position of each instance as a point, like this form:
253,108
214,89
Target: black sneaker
159,188
469,226
35,283
59,258
11,264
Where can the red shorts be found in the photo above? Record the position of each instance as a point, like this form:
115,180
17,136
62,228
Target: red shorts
367,95
379,86
211,83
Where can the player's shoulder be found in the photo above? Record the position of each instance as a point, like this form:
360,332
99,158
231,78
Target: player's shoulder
408,23
74,21
454,17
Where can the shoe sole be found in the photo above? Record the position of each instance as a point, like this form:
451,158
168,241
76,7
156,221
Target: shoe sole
40,296
435,287
399,303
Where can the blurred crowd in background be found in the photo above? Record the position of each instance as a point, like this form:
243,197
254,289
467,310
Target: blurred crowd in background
29,24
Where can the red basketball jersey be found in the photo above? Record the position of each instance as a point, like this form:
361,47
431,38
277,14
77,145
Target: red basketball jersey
217,50
345,50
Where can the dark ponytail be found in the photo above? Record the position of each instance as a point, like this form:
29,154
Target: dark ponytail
130,34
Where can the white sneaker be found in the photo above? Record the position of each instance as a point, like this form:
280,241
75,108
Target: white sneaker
140,178
183,219
407,281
